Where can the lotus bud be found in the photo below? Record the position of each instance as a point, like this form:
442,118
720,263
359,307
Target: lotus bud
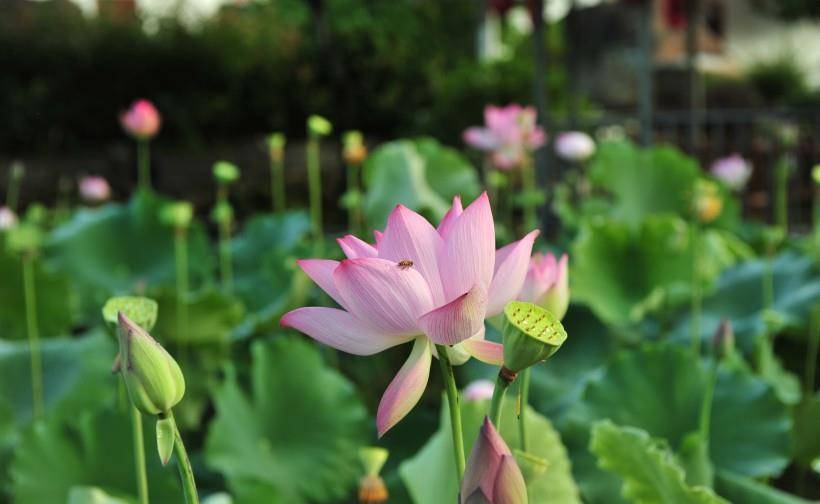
354,148
276,146
142,120
94,189
479,390
319,126
153,378
225,172
24,238
372,489
492,474
734,171
724,340
177,214
531,335
8,219
708,203
574,146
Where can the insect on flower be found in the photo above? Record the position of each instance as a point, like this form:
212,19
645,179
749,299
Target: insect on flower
405,264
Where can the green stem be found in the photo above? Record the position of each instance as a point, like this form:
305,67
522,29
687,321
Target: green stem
144,164
706,405
186,473
695,307
523,400
139,454
505,378
455,408
13,193
355,211
181,261
33,336
315,186
811,353
278,185
225,261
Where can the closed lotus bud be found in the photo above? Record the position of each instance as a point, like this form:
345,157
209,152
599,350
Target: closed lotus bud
492,475
574,146
177,214
724,339
94,189
531,335
225,172
153,378
547,283
142,120
354,148
8,219
734,171
276,146
372,489
319,126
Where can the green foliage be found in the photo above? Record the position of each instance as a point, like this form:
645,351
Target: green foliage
738,488
650,472
116,249
90,449
420,174
806,433
430,475
212,316
295,436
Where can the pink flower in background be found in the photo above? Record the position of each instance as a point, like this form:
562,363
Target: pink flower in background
547,283
142,120
574,146
479,390
734,171
94,189
509,134
492,474
418,284
8,219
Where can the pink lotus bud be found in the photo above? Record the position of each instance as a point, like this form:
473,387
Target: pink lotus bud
142,120
547,283
734,171
574,146
492,474
94,189
509,134
479,390
8,219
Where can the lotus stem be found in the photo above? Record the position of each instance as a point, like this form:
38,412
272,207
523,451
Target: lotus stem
455,408
144,164
523,400
315,185
529,183
695,307
139,454
505,378
33,332
277,167
186,473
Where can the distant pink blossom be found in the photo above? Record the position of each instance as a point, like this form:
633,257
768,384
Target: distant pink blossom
417,284
492,475
509,135
142,120
574,146
8,219
734,171
479,390
547,283
94,189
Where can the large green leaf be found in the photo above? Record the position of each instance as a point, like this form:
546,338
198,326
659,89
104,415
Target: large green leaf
650,473
806,432
116,249
742,489
295,436
644,181
430,475
54,299
420,174
91,449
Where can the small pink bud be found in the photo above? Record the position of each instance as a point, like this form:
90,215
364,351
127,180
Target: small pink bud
8,219
547,283
94,189
142,120
492,474
479,390
734,171
574,146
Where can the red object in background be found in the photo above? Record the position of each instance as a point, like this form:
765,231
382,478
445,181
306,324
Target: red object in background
501,6
674,13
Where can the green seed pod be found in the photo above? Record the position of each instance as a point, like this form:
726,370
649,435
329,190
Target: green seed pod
373,459
177,214
276,140
24,239
531,335
142,310
153,378
319,126
222,213
225,172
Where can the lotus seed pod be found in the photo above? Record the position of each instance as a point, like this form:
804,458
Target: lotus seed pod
177,214
141,310
319,126
276,146
153,378
222,213
354,151
24,238
531,335
225,172
372,489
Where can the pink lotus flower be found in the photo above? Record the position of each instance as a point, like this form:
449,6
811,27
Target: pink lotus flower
509,135
574,146
8,219
142,120
547,283
479,390
734,171
94,189
492,476
419,284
